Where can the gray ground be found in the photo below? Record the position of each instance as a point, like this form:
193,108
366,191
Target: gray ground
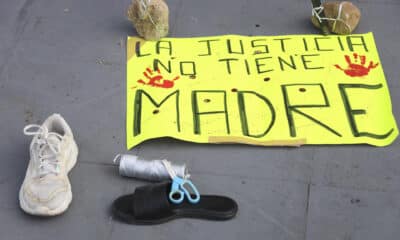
69,57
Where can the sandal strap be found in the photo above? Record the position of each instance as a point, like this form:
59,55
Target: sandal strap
152,200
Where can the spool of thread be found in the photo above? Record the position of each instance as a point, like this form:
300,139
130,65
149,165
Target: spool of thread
151,170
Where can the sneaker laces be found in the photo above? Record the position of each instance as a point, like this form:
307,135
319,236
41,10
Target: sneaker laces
49,148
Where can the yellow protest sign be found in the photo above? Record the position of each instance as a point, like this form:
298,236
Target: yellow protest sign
275,90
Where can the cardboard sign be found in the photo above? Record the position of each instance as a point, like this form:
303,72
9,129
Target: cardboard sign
278,90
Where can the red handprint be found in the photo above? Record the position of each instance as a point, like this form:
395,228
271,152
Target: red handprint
355,69
157,80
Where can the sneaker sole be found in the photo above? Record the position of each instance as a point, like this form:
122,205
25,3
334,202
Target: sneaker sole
43,211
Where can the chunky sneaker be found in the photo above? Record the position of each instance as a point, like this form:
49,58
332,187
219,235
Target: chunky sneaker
46,190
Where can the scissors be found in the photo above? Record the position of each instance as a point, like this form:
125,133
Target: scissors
179,191
178,187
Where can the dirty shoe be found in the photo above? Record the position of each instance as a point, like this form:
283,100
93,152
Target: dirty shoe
46,190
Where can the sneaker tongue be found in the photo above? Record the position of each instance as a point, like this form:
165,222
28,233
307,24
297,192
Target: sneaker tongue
53,141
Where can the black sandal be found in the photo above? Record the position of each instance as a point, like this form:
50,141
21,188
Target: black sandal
150,205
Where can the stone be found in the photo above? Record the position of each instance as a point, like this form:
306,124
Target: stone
150,18
347,21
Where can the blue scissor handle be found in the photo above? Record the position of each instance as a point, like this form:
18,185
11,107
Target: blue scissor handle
196,194
178,191
176,195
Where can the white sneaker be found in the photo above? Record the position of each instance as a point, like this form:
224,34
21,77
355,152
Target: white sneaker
46,190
